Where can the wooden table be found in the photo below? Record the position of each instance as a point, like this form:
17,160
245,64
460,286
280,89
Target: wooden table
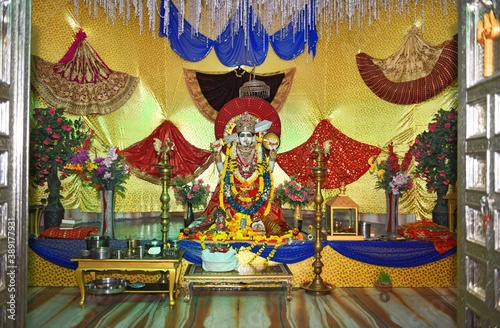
146,264
262,277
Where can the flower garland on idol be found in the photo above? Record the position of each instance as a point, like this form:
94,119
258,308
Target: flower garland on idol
266,185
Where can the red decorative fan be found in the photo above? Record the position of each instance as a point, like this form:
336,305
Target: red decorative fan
409,89
255,106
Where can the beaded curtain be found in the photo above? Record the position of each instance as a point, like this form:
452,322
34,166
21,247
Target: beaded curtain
327,86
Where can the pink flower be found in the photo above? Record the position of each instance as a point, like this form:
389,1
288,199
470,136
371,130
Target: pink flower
447,125
56,136
49,130
52,111
432,127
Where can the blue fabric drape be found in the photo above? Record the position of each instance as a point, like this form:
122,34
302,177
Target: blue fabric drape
297,252
289,45
61,251
232,50
398,254
395,254
189,47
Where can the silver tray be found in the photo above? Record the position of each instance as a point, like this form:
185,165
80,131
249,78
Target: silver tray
107,286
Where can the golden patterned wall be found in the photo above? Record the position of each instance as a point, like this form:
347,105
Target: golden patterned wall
327,86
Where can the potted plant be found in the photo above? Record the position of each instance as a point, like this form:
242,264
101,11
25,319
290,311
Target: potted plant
435,154
384,282
53,140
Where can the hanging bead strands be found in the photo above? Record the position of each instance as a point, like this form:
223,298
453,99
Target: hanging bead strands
210,17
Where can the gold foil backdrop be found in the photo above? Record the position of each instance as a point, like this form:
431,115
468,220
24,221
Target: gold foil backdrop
327,86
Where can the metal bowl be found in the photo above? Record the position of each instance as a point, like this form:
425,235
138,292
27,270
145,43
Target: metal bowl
108,286
96,241
101,253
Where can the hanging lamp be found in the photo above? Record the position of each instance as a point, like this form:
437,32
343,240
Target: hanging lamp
255,88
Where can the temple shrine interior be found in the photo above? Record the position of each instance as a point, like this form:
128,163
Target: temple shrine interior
237,164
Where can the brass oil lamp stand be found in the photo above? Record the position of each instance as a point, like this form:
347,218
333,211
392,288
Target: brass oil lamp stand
165,170
317,286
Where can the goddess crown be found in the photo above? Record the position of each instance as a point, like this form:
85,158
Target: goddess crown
245,123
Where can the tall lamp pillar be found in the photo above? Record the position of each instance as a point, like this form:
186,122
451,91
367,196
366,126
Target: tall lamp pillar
317,286
165,170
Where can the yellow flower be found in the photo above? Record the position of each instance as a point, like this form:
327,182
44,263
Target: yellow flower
90,166
371,162
202,239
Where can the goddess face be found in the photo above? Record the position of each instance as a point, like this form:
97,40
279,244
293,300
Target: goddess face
246,138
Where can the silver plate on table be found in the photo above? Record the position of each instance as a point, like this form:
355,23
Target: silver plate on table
107,286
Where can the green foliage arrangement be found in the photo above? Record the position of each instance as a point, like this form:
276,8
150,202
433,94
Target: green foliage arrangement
194,192
53,140
435,151
294,193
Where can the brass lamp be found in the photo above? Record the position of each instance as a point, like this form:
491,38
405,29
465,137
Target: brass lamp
342,214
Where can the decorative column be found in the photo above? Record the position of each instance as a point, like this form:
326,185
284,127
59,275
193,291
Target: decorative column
317,286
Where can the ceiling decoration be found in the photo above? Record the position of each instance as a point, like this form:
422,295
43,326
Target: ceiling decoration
81,82
416,72
221,21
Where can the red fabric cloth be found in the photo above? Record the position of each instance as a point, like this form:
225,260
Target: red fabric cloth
188,160
440,236
347,162
76,233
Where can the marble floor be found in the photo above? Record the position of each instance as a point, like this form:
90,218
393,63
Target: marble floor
343,307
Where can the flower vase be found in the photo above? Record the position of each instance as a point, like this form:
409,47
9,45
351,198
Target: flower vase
297,217
440,211
392,223
54,211
189,215
108,213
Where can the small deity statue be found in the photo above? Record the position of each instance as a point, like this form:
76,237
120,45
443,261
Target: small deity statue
246,188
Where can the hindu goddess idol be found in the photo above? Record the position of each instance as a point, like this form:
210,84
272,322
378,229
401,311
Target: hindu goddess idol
245,193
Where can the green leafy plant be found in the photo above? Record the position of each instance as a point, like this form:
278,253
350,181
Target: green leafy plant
384,278
435,151
53,140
